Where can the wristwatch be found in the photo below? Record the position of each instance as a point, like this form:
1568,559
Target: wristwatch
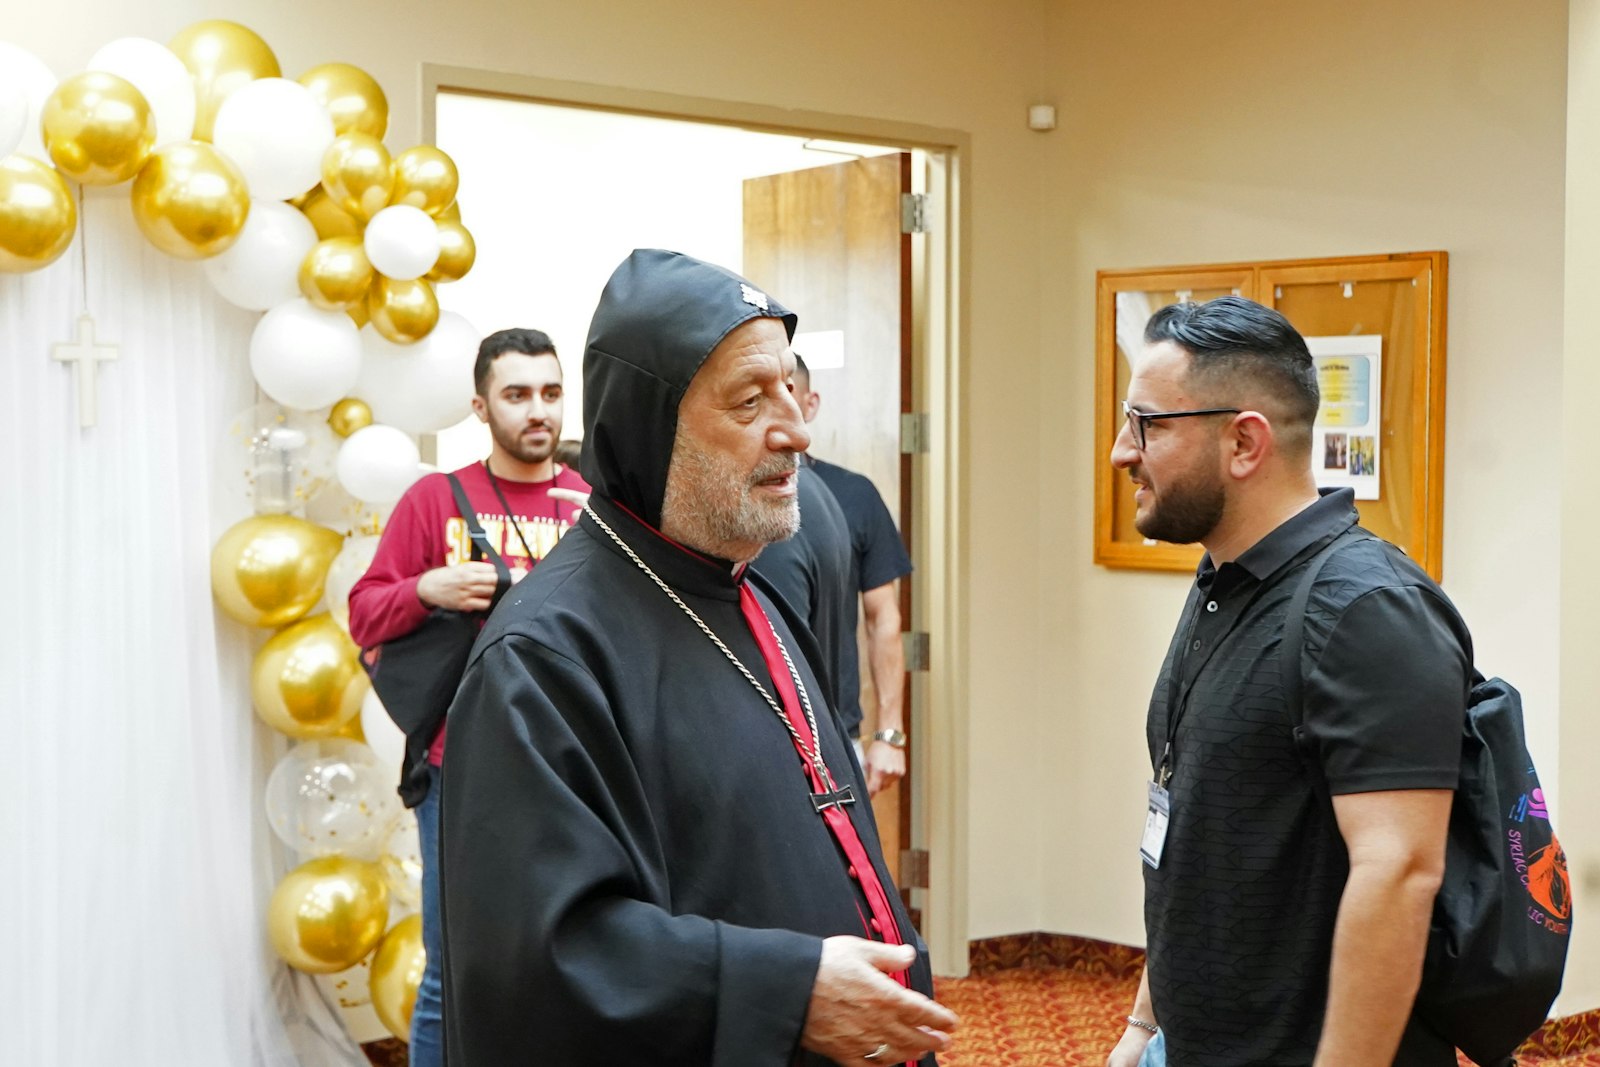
892,738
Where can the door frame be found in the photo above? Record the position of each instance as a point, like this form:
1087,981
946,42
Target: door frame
940,285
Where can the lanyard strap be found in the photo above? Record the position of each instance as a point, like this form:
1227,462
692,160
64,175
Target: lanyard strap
511,518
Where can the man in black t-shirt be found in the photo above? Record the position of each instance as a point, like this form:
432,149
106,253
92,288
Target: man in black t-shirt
812,571
879,561
1282,930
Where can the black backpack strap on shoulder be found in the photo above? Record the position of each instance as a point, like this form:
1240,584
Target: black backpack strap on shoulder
481,548
1294,624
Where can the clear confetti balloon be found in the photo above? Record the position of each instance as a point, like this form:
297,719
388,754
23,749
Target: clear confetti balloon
336,509
402,866
332,797
272,460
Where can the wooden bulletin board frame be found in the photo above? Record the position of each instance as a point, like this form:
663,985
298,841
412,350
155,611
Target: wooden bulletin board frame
1400,297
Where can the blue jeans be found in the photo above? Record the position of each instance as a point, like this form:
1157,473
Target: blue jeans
427,1018
1417,1046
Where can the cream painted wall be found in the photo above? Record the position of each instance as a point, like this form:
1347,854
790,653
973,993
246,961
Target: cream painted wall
1212,131
970,67
1580,509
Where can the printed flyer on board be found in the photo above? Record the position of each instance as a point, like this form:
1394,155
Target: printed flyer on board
1346,445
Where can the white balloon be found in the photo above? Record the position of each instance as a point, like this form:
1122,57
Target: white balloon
13,112
304,357
160,75
378,464
277,133
262,268
422,387
37,82
343,573
402,242
383,736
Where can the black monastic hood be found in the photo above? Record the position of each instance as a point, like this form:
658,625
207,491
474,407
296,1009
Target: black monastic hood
658,318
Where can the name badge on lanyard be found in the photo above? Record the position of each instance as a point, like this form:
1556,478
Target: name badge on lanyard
1156,819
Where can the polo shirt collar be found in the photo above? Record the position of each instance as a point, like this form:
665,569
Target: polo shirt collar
1332,514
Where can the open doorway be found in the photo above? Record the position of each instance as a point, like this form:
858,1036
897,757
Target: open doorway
573,187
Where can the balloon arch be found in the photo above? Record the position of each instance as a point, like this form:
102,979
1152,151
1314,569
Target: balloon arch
285,190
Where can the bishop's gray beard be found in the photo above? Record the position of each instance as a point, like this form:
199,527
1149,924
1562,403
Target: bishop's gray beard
709,505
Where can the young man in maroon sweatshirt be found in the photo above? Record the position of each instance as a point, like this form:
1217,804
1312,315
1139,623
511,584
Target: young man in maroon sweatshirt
424,562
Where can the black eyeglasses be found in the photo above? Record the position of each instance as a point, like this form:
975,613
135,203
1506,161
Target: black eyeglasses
1138,421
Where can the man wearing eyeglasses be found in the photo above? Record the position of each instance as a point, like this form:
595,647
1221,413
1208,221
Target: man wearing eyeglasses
1281,929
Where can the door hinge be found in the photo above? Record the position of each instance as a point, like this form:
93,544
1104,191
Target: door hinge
913,868
916,213
916,644
914,433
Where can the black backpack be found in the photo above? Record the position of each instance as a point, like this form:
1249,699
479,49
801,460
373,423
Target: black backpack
1501,922
417,673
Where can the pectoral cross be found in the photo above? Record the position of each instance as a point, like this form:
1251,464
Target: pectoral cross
85,357
839,798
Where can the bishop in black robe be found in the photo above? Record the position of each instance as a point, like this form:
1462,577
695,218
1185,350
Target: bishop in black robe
634,869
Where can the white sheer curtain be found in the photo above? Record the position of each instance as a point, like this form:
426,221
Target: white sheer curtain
135,862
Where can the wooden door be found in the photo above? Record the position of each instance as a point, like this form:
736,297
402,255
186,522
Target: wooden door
827,242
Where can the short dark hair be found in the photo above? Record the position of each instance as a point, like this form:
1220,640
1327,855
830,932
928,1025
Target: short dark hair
568,452
527,342
1231,339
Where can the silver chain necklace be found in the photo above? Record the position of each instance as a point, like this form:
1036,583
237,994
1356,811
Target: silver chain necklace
833,796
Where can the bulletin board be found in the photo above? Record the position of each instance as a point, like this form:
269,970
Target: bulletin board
1376,327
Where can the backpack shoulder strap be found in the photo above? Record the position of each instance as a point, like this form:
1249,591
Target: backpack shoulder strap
1294,624
481,548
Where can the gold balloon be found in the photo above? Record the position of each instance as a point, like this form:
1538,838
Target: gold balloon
396,973
98,128
328,913
336,273
359,314
457,252
349,415
38,214
425,177
307,680
354,100
190,200
358,174
328,218
268,570
452,213
353,731
222,56
403,312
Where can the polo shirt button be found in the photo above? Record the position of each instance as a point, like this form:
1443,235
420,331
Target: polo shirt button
1196,645
1211,606
853,873
877,927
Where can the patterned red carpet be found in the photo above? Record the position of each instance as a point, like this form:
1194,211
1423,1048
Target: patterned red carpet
1068,1017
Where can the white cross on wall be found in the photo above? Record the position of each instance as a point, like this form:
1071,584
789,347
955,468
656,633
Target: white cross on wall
85,357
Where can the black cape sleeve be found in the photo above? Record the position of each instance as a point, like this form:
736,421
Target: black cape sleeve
561,945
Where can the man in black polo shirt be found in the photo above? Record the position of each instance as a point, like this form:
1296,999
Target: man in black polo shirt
1281,932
